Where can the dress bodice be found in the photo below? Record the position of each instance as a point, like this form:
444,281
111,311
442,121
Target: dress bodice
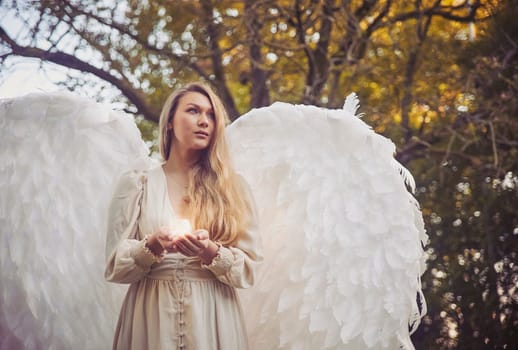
157,212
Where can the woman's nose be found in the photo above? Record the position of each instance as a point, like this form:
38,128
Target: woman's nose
203,120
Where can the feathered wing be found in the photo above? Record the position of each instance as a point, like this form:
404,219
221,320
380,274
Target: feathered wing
60,157
343,237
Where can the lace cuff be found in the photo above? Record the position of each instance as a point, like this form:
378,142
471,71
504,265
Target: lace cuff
143,256
221,263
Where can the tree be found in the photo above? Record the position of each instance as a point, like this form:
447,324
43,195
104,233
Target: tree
470,193
299,50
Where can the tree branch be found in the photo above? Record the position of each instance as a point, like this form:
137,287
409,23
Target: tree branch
125,31
63,59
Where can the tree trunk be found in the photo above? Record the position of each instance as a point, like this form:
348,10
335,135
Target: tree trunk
318,60
216,56
259,92
411,68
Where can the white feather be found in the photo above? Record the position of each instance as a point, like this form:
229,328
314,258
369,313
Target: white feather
407,176
352,104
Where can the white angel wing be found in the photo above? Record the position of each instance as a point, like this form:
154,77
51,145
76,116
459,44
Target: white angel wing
59,158
342,235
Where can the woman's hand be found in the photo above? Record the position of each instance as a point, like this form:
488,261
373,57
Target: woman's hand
161,240
197,244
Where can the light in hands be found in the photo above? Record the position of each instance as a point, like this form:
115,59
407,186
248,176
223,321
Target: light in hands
167,236
180,227
179,238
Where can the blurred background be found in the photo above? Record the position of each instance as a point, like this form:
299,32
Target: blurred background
438,77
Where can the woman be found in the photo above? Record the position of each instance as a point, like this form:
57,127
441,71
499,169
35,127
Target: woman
184,236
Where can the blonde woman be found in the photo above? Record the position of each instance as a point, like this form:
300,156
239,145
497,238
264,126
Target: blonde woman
184,236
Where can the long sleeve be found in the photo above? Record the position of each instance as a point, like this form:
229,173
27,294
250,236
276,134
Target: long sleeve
237,265
128,259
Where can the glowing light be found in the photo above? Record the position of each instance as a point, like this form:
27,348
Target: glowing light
180,227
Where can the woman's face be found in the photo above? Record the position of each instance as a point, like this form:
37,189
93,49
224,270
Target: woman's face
193,122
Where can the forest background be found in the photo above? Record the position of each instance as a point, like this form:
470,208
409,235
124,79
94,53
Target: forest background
438,77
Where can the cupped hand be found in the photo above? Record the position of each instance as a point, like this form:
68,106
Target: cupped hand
192,244
166,239
197,244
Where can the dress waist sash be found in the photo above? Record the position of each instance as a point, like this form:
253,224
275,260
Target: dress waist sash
173,268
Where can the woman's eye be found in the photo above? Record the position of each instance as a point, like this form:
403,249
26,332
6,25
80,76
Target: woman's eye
192,111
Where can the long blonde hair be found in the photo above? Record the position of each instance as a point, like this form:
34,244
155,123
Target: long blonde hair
217,199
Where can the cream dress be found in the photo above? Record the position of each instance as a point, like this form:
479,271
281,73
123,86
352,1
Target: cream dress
177,303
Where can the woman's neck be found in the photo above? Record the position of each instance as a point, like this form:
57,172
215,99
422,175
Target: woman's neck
181,162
